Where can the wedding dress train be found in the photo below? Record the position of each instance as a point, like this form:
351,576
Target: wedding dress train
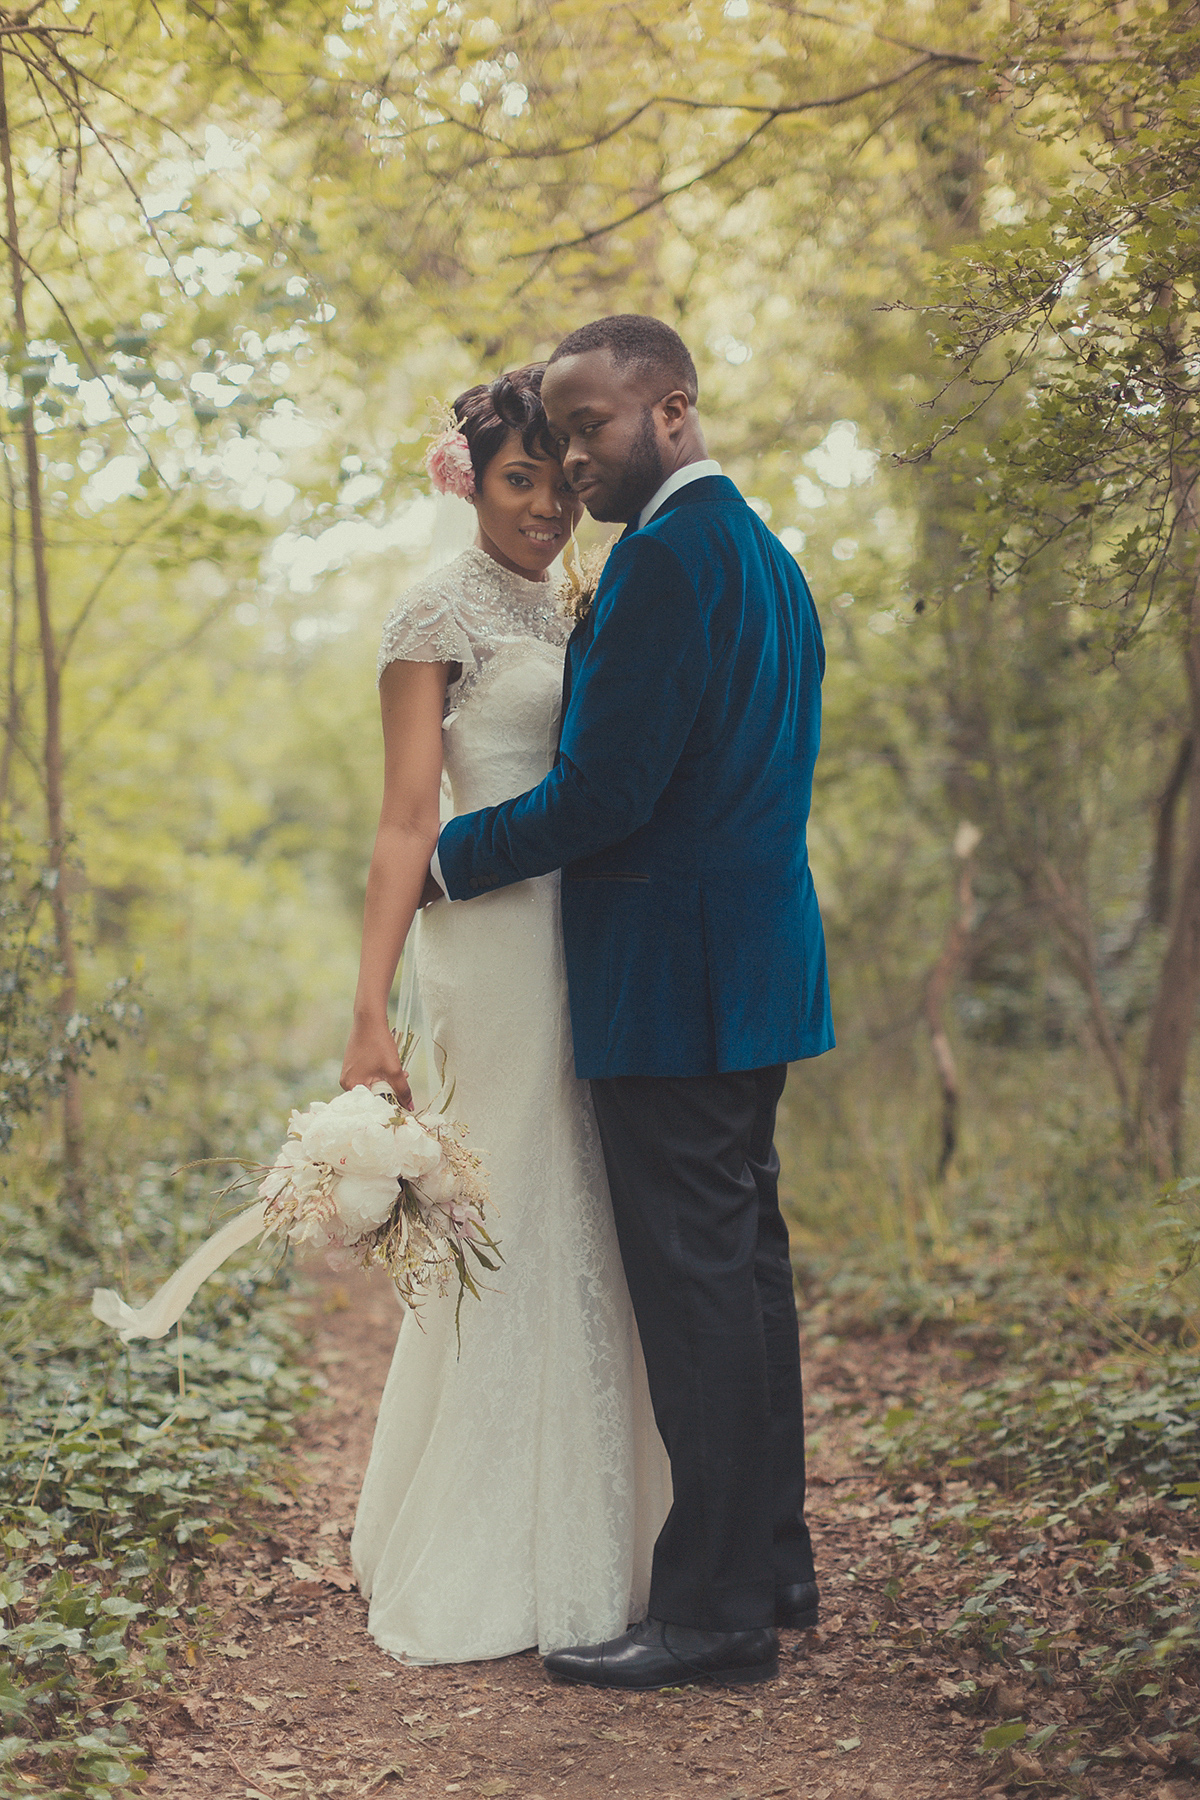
515,1487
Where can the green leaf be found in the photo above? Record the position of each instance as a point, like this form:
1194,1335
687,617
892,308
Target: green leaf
999,1737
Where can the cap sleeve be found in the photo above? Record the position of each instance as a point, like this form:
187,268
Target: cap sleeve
423,626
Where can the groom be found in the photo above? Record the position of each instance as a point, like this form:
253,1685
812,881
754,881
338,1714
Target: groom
676,811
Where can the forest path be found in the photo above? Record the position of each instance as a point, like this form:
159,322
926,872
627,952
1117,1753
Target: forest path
292,1698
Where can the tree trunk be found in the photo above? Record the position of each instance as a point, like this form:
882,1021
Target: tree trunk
937,989
1074,922
1162,869
52,742
1164,1069
12,714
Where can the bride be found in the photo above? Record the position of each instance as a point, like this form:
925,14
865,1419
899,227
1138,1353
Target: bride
515,1486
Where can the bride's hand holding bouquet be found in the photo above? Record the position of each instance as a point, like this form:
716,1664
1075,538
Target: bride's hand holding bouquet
372,1056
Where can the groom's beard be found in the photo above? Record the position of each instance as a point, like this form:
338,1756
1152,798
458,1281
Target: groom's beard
641,476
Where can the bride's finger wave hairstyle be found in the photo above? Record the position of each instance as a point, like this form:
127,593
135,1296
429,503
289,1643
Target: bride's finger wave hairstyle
488,413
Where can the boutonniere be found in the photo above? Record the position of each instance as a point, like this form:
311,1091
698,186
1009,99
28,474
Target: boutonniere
582,570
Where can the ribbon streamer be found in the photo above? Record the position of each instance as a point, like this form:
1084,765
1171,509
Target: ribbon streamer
156,1318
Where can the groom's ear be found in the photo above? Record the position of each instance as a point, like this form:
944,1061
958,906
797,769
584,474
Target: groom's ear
674,409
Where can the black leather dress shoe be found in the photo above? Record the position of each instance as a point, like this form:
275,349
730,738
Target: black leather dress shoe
796,1606
654,1655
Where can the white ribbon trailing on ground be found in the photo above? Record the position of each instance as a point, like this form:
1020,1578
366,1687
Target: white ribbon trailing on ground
168,1306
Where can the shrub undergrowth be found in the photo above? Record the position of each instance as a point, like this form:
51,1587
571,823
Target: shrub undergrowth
1045,1567
117,1468
1065,1508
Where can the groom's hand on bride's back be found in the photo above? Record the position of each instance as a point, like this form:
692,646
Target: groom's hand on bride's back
371,1056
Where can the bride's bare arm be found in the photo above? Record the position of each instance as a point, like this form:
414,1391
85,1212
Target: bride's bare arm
411,697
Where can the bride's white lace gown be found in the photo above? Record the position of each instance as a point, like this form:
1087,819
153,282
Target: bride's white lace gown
514,1491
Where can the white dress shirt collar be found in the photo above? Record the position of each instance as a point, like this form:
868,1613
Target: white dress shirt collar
690,472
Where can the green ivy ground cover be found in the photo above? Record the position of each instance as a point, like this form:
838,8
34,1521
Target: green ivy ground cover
114,1486
1043,1566
1063,1527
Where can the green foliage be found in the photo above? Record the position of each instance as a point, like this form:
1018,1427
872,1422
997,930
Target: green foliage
1093,296
1059,1490
1040,1432
116,1472
38,1043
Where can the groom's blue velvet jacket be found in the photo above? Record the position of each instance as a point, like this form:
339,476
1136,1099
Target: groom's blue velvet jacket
678,803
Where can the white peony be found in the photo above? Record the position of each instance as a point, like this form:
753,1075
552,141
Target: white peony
291,1169
440,1187
363,1202
419,1150
312,1228
352,1133
369,1146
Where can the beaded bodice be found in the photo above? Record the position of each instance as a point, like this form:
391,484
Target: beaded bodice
467,612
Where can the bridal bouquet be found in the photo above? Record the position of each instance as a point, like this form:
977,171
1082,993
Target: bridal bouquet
360,1174
367,1180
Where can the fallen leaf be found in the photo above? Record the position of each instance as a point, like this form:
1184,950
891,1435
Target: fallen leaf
258,1705
1150,1753
194,1712
284,1759
1009,1701
340,1579
389,1772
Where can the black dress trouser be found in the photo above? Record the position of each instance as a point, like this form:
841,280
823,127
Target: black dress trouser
695,1189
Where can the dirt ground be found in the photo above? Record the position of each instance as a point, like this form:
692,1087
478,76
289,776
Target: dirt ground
292,1698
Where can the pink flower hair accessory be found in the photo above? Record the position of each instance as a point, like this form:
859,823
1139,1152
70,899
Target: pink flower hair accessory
448,461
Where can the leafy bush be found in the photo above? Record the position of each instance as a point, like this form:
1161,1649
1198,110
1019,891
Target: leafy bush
115,1468
39,1044
1068,1505
1031,1432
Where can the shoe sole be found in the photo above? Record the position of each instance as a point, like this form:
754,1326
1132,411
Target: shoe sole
805,1621
715,1678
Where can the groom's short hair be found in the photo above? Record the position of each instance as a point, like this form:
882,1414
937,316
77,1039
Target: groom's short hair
634,340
